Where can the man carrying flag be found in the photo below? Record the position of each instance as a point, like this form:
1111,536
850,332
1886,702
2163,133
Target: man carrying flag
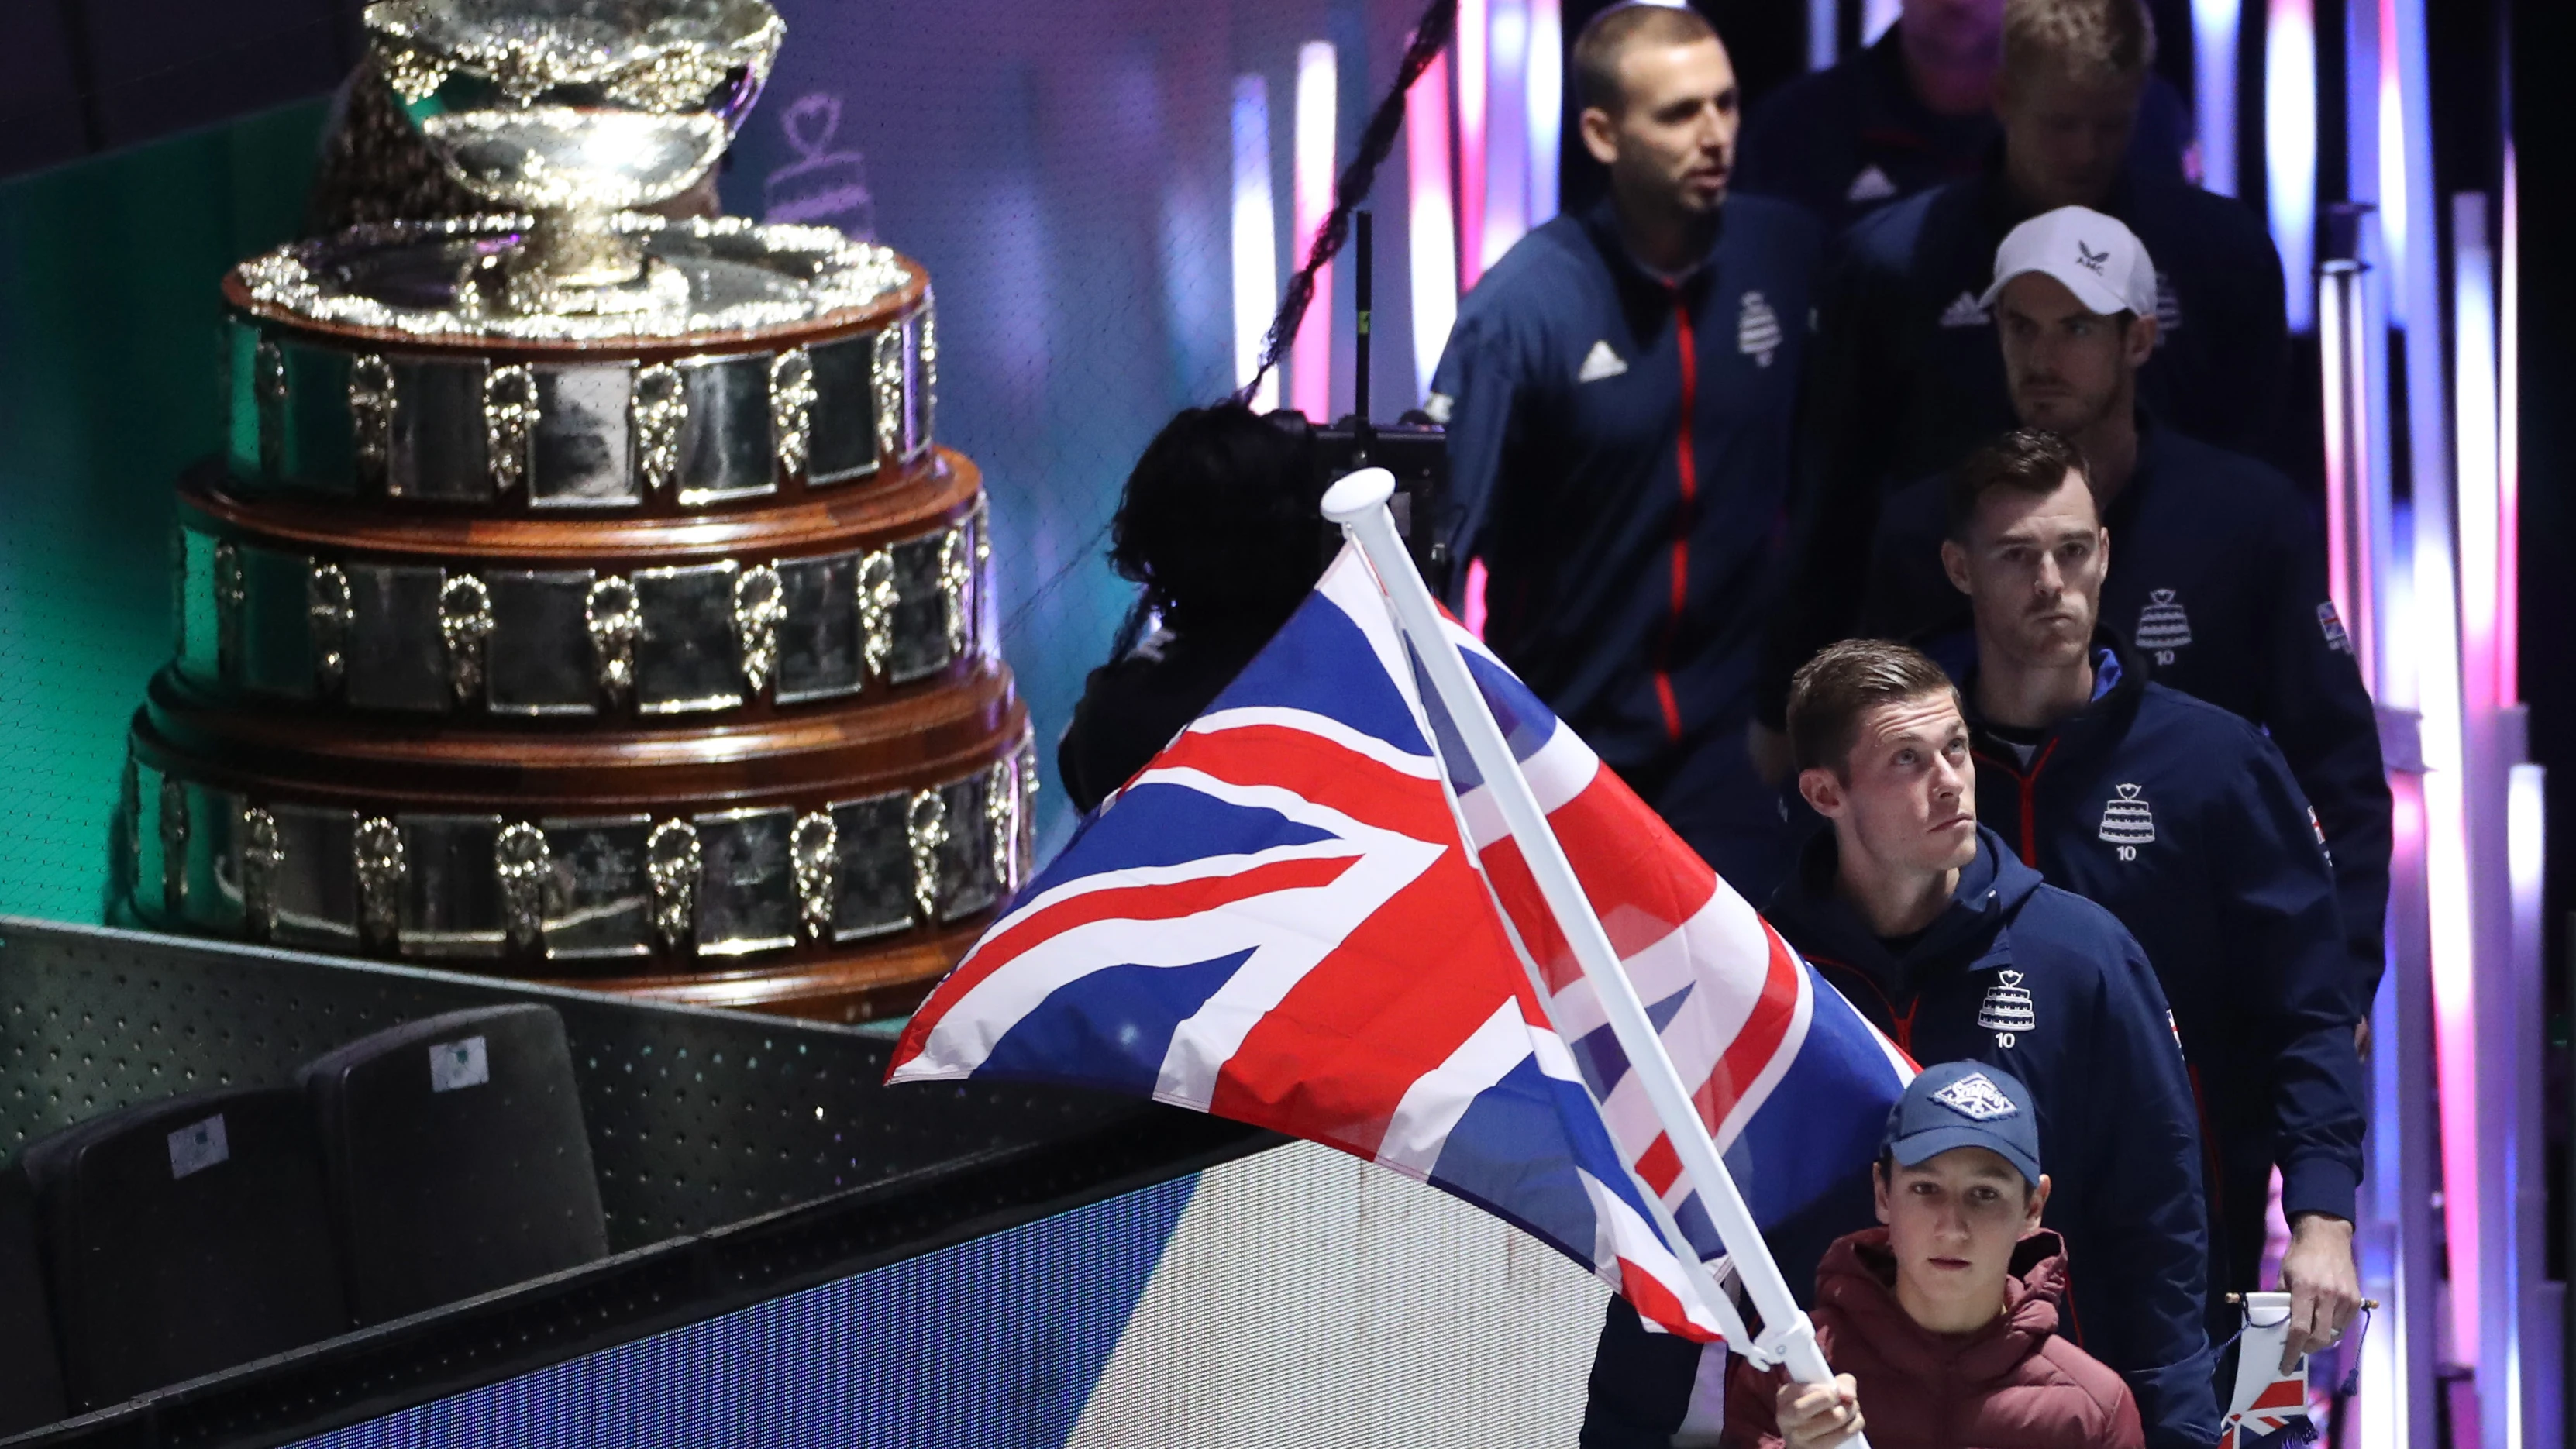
1332,907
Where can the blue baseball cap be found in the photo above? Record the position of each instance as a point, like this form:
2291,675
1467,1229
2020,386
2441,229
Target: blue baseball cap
1965,1104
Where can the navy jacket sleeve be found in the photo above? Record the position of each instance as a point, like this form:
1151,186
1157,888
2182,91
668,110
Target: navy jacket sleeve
1843,460
2284,933
2318,712
2148,1241
1474,390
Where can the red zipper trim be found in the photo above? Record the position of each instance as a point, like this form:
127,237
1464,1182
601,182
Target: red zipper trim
2028,846
1902,1021
1689,344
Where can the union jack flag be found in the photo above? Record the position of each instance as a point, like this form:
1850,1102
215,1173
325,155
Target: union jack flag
1305,914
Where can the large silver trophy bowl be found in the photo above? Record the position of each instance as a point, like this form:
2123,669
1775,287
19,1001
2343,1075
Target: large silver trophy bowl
575,111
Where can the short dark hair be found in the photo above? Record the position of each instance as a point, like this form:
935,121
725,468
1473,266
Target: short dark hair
1608,35
2092,40
1218,520
1830,693
2025,460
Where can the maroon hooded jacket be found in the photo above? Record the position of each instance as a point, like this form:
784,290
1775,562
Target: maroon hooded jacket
2013,1384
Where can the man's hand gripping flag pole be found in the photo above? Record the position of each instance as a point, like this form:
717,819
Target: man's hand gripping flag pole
1358,504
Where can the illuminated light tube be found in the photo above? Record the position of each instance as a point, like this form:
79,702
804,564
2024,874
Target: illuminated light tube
2393,198
1546,105
2213,91
1507,135
1256,236
1824,42
2351,571
2290,148
2508,575
2474,485
1431,228
1473,73
1310,377
1876,16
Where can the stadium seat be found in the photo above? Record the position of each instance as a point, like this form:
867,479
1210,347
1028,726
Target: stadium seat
459,1161
184,1236
31,1379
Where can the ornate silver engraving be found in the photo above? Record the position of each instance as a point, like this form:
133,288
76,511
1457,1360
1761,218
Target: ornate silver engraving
759,606
328,603
371,417
926,831
877,598
671,859
230,593
262,857
509,424
956,577
465,627
791,407
614,617
1002,822
815,850
929,366
523,861
887,374
381,866
268,384
1027,844
659,407
174,847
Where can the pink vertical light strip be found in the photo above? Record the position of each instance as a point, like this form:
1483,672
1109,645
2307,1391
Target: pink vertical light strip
2508,585
1473,72
1506,130
2341,334
1310,373
1431,226
1546,105
1255,237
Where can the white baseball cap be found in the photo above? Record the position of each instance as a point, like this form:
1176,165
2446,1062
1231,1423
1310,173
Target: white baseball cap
2097,258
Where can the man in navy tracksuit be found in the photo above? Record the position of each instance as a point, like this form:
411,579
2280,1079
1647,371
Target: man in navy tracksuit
1957,950
1619,394
2184,821
1913,111
2217,572
1906,376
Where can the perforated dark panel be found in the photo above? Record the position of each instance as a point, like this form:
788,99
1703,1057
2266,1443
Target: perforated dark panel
697,1118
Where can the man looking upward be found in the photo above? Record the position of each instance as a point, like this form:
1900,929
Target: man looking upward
1619,394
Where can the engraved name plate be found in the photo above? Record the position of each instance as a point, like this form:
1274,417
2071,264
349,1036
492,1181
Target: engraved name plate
687,656
539,660
818,644
920,611
439,443
874,885
451,897
316,889
966,882
747,890
276,623
318,451
843,436
397,660
585,445
725,444
198,625
600,906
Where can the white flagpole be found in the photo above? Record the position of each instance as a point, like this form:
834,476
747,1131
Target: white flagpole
1358,504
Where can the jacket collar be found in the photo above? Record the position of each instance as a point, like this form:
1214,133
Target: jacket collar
1972,934
1856,1295
2002,209
1600,222
2119,682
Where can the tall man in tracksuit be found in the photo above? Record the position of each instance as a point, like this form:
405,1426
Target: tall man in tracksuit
2217,572
1619,394
1957,950
1914,110
2184,821
1906,377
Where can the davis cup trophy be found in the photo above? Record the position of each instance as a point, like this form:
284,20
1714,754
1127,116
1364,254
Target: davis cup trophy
580,594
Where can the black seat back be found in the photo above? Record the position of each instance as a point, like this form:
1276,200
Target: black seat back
458,1157
31,1379
184,1236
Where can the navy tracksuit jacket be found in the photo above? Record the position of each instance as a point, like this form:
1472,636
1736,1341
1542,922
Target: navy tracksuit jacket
2218,579
1845,141
2046,985
2184,822
1619,458
1908,376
